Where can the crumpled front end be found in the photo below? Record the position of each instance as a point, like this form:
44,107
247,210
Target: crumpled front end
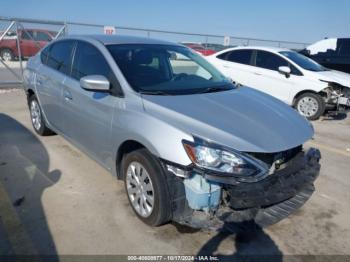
337,96
209,200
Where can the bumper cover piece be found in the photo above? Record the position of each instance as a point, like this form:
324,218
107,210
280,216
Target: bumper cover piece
265,202
300,172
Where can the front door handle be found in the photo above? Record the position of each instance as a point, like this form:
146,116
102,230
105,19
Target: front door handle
256,73
67,95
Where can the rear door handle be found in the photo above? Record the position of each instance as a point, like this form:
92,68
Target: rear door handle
256,73
67,95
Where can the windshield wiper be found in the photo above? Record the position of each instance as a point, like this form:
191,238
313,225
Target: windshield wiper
155,92
214,89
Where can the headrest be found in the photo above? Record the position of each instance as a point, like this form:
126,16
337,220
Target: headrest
143,57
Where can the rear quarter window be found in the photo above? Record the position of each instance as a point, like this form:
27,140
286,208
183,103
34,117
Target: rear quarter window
44,54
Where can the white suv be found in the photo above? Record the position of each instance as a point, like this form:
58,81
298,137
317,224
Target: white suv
288,76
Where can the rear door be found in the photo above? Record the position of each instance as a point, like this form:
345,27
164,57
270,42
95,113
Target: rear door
269,80
236,64
49,80
87,114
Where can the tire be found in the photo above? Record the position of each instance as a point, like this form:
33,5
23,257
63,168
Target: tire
154,180
6,54
37,119
310,105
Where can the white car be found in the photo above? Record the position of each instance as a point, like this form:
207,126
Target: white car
288,76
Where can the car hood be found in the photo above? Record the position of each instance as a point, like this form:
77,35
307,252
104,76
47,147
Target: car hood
243,119
335,76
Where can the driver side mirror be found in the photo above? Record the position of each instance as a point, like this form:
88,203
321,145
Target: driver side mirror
97,83
284,70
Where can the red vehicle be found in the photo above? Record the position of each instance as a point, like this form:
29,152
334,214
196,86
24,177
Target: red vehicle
200,49
30,40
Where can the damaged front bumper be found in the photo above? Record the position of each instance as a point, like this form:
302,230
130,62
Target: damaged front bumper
204,200
337,96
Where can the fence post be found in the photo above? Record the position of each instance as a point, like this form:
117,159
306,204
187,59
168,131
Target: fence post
19,50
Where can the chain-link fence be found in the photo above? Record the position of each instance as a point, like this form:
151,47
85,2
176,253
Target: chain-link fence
23,38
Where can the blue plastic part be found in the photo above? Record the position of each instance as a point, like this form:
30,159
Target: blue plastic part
202,194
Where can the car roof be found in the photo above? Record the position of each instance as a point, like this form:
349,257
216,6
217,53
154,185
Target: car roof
120,39
263,48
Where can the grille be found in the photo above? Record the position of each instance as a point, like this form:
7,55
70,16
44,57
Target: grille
285,156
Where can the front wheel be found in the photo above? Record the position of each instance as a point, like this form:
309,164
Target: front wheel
310,105
146,187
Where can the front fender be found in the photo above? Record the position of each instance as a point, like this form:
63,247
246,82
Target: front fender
161,139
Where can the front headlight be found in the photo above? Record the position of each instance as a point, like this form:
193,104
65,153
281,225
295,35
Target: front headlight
227,162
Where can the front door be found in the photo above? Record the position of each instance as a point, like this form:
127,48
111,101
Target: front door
88,115
269,80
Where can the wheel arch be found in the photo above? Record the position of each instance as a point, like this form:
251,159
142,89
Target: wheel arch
126,147
29,92
321,93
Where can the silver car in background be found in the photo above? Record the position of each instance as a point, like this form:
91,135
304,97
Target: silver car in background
190,146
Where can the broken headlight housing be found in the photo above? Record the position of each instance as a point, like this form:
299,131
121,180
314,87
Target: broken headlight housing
227,162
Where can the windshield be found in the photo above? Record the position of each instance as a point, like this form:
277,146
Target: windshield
303,61
167,70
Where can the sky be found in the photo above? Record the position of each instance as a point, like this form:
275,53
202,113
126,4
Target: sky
293,20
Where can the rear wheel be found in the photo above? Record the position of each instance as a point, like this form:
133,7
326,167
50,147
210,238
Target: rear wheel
146,187
310,105
7,55
36,116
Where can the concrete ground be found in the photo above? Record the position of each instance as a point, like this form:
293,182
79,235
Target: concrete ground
55,200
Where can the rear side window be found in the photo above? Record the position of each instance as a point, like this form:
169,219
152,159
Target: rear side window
60,56
238,56
270,61
88,60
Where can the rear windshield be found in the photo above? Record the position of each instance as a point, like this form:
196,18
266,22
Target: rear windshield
167,69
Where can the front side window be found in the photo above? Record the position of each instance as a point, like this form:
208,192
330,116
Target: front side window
303,61
88,60
60,56
269,60
167,69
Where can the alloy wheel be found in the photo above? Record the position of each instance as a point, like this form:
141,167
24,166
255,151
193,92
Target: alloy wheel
140,189
35,114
